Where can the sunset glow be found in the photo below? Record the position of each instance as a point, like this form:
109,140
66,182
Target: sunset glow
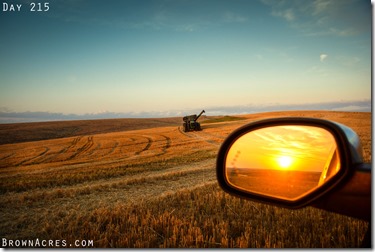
301,148
285,161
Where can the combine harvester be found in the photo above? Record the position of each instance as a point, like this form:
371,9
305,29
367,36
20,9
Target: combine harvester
190,122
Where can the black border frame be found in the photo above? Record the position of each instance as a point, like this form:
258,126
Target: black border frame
343,175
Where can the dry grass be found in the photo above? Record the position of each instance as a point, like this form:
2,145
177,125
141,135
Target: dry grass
153,188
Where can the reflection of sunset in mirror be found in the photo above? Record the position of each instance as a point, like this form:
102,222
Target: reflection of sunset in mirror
283,157
283,147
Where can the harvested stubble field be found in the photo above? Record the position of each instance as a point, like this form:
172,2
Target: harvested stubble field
151,187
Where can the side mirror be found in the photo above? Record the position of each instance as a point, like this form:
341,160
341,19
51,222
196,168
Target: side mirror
287,161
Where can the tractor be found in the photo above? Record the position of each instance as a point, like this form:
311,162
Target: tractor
190,122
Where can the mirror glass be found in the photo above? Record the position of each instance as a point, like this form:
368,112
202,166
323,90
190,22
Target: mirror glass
282,161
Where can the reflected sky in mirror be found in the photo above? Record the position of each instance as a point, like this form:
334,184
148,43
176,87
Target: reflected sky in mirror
283,147
283,161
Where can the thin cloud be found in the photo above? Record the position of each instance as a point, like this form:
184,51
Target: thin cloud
324,17
323,57
320,6
286,14
231,17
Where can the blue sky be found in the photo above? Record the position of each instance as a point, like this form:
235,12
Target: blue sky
164,56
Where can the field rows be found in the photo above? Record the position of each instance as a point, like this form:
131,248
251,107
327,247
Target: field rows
82,149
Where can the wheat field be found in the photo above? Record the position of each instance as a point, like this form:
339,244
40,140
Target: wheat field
150,187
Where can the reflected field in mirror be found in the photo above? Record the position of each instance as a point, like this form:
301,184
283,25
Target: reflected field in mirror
282,161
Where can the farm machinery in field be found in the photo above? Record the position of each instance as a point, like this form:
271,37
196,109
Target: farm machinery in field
190,122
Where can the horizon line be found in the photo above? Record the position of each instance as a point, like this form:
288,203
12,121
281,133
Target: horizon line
8,117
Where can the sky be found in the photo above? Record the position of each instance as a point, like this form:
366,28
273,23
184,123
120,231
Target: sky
168,57
303,148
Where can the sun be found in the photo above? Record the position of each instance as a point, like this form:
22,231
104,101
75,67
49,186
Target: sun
285,161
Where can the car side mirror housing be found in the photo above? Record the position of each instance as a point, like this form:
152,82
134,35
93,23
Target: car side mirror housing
289,162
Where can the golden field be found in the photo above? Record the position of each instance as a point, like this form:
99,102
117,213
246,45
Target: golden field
144,183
